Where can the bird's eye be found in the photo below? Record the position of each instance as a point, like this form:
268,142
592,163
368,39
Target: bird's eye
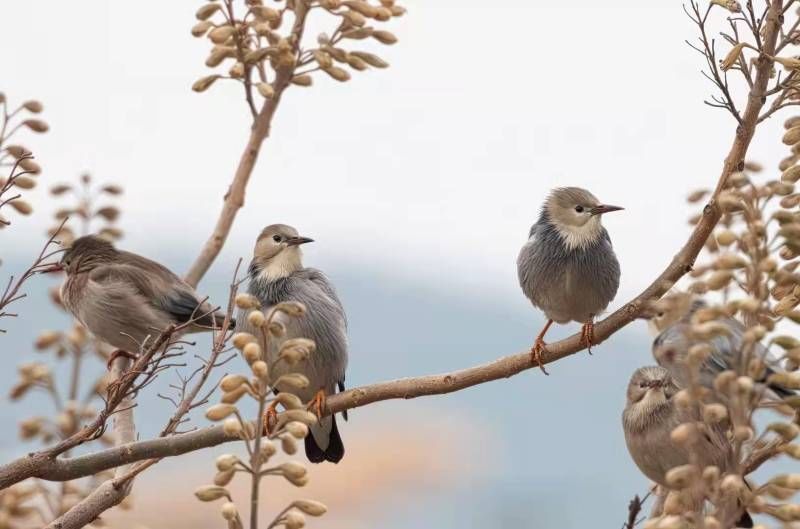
643,384
276,238
660,315
579,209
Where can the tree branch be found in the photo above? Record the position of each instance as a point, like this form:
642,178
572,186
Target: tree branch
234,198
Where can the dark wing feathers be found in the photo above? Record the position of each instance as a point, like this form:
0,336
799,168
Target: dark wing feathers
164,290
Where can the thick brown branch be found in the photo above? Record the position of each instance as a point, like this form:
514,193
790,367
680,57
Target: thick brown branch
234,198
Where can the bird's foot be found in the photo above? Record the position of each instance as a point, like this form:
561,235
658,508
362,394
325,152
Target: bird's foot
117,354
270,418
587,335
536,354
317,404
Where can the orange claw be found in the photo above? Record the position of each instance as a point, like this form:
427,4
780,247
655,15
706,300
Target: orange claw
587,335
318,403
539,347
270,418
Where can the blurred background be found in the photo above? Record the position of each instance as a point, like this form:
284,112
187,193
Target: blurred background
419,184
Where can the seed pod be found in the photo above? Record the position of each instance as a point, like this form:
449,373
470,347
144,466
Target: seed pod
223,477
288,444
229,511
792,136
226,461
361,7
251,352
787,481
323,59
354,18
787,512
199,29
791,450
217,412
356,63
714,413
260,54
681,477
241,339
724,381
17,151
36,125
683,399
220,34
791,122
387,37
294,520
725,237
292,381
21,206
47,339
732,56
265,13
232,397
792,174
232,382
786,342
211,493
788,162
397,11
265,89
299,415
719,279
267,449
292,308
293,469
256,318
218,54
310,507
202,84
237,70
358,33
247,301
371,59
290,401
297,429
207,11
260,369
232,426
302,80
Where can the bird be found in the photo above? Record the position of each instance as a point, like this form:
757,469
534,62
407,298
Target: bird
125,299
568,267
670,319
650,416
276,275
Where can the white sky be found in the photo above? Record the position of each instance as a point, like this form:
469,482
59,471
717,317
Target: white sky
435,167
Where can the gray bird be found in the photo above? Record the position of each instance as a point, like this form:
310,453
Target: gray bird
123,298
648,420
568,267
671,320
277,275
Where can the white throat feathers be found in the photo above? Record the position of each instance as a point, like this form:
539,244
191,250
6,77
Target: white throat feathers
579,237
284,264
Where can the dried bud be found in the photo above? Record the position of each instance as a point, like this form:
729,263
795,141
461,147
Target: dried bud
229,511
256,318
743,433
21,206
36,125
47,339
714,413
681,477
297,429
302,80
792,136
265,89
260,369
204,82
247,301
226,461
683,399
267,449
217,412
731,5
199,29
787,481
23,182
384,37
232,397
252,352
292,381
220,34
224,477
310,507
288,444
337,73
232,426
241,339
299,415
207,10
293,469
211,493
732,56
294,520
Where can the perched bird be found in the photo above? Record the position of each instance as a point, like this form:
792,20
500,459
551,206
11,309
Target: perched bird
277,275
648,420
123,298
671,320
568,267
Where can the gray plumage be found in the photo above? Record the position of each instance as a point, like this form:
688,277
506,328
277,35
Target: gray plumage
650,416
277,275
672,318
568,267
122,298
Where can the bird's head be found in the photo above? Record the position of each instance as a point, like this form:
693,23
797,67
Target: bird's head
670,309
651,386
87,253
277,253
575,213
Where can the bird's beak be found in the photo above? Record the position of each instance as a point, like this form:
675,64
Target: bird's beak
604,208
296,241
51,268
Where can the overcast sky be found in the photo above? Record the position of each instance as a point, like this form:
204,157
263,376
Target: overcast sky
435,167
429,173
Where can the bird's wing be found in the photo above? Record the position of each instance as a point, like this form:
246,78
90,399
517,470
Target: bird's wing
162,289
321,281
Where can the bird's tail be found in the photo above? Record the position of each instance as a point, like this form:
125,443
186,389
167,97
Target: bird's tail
745,521
323,443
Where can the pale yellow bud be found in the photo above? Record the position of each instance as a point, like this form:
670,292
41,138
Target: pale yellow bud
229,511
295,520
260,369
268,449
217,412
247,301
714,413
232,426
297,429
256,318
288,444
252,352
226,461
310,507
223,477
681,477
232,382
211,493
